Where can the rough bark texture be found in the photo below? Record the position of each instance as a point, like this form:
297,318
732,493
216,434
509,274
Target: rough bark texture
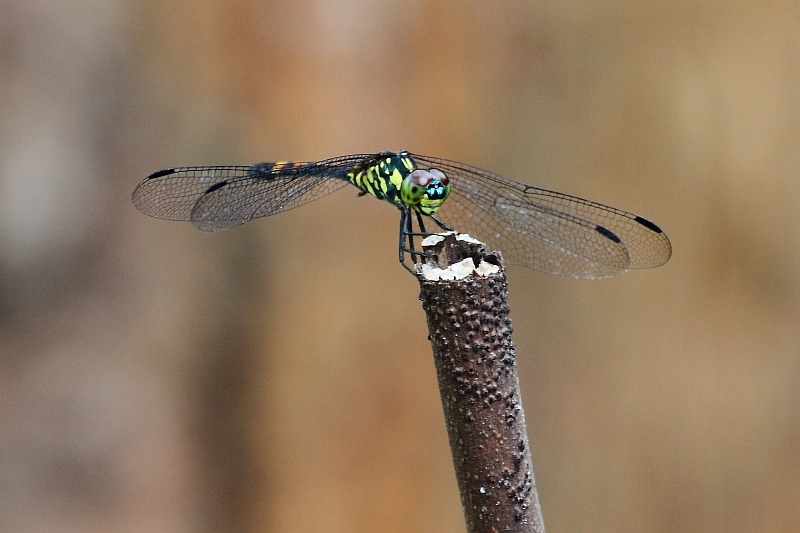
470,331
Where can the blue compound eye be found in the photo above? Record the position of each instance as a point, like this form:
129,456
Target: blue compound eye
439,187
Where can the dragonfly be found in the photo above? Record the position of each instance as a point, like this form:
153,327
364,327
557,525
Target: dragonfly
543,230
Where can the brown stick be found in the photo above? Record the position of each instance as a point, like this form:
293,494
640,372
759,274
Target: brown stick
470,331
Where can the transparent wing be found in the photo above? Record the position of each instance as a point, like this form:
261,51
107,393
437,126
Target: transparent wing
545,230
215,198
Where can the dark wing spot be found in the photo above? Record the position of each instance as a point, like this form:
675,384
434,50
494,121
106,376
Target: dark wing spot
165,172
218,185
606,233
647,224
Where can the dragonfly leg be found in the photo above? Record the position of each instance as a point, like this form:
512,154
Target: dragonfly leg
405,223
410,234
441,224
420,222
407,232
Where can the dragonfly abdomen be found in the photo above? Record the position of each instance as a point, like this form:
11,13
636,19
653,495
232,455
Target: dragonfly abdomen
272,170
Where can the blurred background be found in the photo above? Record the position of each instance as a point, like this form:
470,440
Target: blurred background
277,377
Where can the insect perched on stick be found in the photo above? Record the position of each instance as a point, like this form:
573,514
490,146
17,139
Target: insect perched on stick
540,229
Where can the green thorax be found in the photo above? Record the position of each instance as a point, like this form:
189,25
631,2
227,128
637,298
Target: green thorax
395,178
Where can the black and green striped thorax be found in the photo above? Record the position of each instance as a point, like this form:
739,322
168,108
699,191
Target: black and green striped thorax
395,178
383,176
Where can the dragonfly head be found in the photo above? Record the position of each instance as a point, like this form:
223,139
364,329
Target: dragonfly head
425,190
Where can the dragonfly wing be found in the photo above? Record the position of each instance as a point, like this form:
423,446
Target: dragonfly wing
536,238
218,198
547,231
171,193
235,202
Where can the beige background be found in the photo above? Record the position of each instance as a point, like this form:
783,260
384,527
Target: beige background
277,377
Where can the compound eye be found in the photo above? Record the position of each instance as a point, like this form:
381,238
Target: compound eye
421,178
425,189
439,175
